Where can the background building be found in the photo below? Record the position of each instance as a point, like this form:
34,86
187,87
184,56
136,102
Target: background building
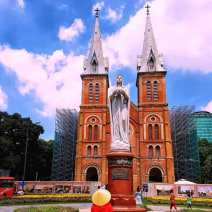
185,143
203,121
63,164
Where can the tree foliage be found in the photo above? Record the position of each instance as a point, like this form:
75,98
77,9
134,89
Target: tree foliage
205,154
14,131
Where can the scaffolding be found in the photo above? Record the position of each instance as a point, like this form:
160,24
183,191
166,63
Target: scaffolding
63,164
185,143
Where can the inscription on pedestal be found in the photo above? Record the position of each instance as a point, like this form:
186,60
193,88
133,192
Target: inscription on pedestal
120,174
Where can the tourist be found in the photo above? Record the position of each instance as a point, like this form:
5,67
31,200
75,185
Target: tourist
189,200
172,201
138,196
101,201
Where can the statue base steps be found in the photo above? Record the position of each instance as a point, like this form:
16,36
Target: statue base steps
123,209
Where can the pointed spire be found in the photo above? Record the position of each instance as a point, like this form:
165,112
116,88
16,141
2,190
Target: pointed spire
96,63
150,60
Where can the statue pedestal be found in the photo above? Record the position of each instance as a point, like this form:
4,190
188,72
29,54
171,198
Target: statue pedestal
120,181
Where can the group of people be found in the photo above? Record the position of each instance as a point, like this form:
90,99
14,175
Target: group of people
101,200
173,203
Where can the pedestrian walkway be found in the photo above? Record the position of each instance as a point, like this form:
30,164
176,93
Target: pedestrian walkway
86,207
159,208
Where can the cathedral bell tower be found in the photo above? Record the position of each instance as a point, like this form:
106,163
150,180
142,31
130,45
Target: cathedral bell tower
91,142
156,157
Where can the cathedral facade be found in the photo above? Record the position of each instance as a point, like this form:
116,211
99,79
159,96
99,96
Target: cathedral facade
149,124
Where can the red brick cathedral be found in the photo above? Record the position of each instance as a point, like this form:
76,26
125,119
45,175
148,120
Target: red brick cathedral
149,127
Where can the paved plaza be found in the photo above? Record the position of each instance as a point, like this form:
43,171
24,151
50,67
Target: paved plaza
85,207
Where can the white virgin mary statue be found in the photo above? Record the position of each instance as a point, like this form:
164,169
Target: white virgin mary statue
119,101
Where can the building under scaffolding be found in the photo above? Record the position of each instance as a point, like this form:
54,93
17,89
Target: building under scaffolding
63,164
185,143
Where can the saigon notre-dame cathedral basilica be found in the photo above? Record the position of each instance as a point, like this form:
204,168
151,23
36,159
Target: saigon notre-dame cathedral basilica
149,124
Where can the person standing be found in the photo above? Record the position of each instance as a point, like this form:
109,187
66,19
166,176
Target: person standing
101,201
189,201
138,196
172,201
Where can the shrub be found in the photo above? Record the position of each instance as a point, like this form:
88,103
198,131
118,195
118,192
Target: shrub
45,199
203,202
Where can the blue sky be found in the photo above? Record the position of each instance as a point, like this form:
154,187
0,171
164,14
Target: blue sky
43,43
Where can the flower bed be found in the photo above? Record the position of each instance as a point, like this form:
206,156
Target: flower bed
207,202
46,198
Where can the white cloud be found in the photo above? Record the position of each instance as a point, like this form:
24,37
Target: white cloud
125,55
54,80
182,31
21,3
3,100
98,5
64,7
113,15
208,107
68,34
182,34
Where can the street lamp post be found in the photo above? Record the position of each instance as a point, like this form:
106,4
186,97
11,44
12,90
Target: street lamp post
25,156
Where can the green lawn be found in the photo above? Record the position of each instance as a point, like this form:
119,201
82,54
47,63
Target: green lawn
47,209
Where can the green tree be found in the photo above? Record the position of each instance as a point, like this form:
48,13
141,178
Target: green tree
13,136
44,156
205,154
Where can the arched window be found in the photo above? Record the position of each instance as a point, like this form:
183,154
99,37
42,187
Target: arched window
155,90
150,131
95,132
94,65
151,61
148,90
158,151
151,64
156,131
95,153
150,151
91,92
97,92
89,151
89,132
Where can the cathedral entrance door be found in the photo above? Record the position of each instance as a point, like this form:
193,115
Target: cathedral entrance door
91,174
155,175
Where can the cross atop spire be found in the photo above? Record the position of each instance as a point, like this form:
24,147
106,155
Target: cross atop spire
150,60
96,63
147,9
97,11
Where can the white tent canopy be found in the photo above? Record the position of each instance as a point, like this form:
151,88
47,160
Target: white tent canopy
183,181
